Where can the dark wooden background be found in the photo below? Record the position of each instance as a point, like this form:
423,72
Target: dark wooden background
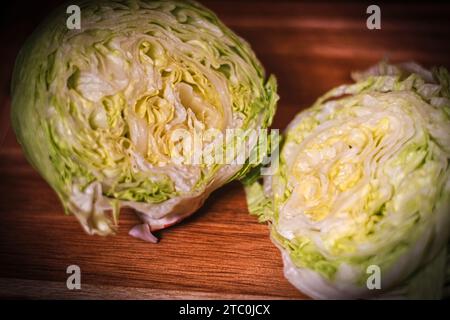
221,251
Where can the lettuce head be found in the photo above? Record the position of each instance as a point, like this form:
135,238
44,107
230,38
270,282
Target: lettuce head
362,188
95,109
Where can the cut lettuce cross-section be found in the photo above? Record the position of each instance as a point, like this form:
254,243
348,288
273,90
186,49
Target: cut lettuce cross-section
363,184
96,109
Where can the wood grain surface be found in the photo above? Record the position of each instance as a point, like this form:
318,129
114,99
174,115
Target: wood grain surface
221,251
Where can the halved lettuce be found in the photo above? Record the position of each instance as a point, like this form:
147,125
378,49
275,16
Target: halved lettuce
364,180
95,109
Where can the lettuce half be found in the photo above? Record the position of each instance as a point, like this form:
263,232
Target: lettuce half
94,108
363,180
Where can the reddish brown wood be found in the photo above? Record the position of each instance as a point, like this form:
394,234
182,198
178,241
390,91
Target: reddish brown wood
221,251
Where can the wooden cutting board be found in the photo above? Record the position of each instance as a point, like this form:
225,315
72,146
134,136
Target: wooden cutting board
221,251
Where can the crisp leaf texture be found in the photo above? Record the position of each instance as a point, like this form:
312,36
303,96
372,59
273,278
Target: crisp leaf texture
95,109
364,179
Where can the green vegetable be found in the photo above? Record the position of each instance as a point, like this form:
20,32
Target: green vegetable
96,109
364,180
